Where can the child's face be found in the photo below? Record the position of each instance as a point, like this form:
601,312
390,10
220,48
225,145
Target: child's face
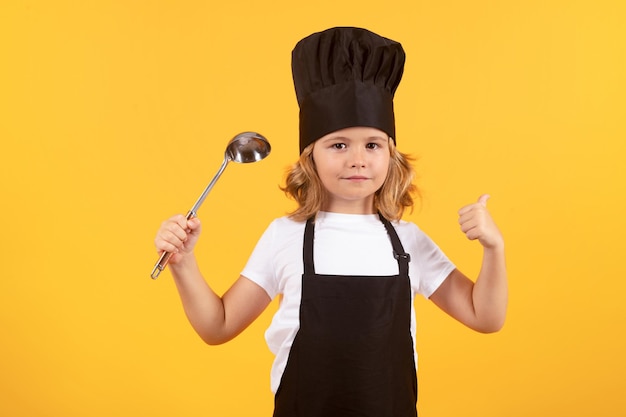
352,164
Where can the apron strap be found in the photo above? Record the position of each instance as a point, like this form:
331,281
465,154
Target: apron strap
401,256
307,248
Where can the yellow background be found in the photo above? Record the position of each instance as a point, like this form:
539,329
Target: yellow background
114,115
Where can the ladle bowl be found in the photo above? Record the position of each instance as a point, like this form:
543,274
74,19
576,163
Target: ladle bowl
244,148
247,147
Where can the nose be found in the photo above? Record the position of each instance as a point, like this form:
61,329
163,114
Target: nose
357,157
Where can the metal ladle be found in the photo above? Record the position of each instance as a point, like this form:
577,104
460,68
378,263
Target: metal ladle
244,148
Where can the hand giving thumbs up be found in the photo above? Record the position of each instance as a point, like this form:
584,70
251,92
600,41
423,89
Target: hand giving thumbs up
477,223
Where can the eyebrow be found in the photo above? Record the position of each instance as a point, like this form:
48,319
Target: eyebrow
333,138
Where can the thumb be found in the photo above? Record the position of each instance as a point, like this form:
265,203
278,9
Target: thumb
482,200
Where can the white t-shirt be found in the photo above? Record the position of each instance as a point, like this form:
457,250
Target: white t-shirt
345,244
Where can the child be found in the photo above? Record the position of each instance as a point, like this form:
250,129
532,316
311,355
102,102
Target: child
346,267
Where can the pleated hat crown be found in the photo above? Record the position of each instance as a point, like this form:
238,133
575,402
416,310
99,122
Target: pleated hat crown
345,77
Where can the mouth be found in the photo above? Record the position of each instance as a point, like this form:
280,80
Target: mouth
356,178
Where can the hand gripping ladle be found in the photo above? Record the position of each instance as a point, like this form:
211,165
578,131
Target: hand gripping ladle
244,148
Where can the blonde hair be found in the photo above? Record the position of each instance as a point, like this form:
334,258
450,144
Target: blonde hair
395,195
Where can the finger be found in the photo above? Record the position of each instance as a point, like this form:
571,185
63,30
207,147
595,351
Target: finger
482,200
175,235
468,208
171,237
476,213
175,224
193,224
473,233
467,216
465,209
469,224
180,220
167,246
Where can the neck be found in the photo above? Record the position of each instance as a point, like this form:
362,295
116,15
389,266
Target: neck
350,207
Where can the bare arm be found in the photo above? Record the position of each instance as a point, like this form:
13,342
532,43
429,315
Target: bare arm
480,305
216,319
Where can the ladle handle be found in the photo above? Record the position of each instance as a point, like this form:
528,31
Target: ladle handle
243,148
165,256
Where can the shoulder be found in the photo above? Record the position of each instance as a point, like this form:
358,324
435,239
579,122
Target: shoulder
414,237
283,231
276,256
285,226
407,230
429,264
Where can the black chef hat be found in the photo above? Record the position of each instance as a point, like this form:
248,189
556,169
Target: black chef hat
345,77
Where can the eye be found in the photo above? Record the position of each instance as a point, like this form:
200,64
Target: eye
338,145
372,145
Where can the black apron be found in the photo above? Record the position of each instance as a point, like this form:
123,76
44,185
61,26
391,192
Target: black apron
353,354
